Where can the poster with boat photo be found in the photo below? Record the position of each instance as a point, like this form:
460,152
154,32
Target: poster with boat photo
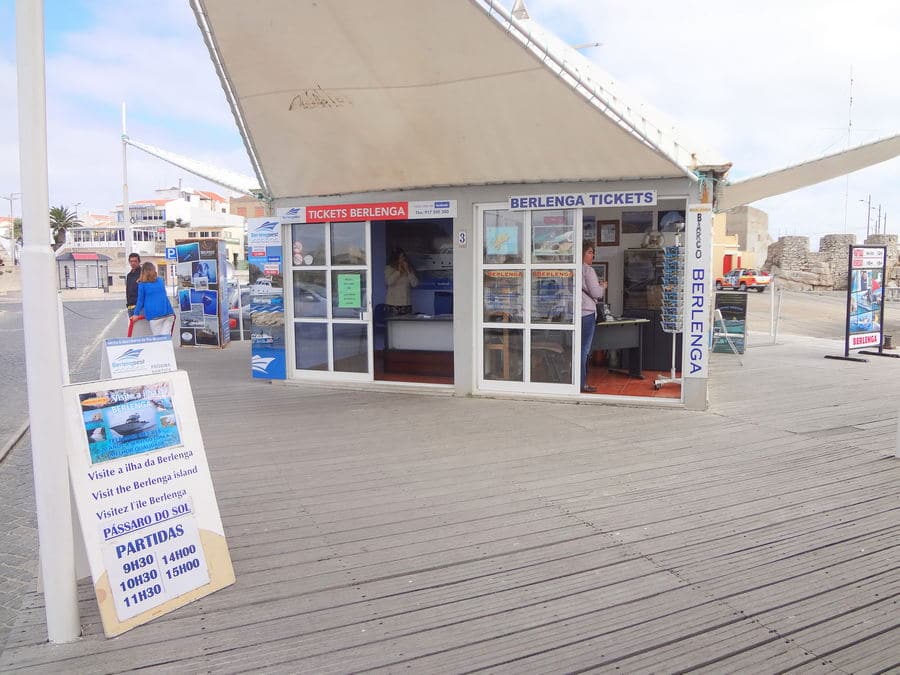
129,421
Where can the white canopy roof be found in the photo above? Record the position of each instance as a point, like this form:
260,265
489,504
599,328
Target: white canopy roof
340,96
806,173
343,96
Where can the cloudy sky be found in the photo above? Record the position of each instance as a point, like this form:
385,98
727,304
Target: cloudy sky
767,83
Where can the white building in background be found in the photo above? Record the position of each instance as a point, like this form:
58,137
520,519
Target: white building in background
175,213
7,243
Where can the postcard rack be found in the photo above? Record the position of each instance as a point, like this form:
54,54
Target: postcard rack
672,303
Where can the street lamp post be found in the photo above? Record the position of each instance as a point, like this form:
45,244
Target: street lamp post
868,202
11,232
869,208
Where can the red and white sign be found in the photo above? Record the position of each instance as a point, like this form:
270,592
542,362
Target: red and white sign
336,213
867,258
860,340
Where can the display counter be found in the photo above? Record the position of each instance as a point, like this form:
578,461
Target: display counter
420,332
622,334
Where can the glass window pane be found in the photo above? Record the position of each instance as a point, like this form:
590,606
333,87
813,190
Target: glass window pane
553,236
552,296
504,296
504,237
348,243
310,294
551,356
348,294
307,244
351,347
503,354
311,342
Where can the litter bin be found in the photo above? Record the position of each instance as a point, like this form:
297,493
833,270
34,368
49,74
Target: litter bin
109,280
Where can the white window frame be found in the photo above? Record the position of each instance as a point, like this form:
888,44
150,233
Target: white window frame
525,385
329,320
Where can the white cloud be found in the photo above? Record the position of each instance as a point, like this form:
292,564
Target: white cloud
150,55
766,83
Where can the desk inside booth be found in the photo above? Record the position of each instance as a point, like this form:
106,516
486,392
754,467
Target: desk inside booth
420,344
622,333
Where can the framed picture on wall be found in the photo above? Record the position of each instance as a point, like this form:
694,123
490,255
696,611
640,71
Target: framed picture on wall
607,233
637,222
671,221
602,270
589,232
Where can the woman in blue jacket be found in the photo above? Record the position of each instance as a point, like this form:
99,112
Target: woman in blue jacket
152,302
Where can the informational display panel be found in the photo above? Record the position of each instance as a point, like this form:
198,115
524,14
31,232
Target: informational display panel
266,298
733,307
127,357
202,293
865,297
146,505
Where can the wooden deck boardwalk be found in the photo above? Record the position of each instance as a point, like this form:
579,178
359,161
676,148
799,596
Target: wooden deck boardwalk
395,532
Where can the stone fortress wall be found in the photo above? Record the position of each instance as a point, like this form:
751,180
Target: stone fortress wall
796,268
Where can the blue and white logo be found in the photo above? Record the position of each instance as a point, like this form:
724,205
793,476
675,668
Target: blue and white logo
171,253
264,233
442,205
129,355
260,364
293,212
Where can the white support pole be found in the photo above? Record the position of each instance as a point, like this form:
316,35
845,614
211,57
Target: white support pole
779,296
43,352
126,215
897,446
772,292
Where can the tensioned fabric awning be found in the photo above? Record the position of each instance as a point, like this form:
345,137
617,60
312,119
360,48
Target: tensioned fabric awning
341,96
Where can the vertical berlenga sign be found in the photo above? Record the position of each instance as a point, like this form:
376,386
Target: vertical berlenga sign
697,290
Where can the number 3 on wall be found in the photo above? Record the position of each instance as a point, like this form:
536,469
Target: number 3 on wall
462,238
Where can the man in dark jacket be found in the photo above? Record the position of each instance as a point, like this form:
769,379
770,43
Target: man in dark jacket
131,282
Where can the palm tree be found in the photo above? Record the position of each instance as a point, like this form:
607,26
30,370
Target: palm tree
61,219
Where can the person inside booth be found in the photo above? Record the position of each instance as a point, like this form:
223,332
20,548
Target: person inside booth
592,291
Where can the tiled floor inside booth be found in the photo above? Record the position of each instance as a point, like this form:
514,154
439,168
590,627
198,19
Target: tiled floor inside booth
612,383
606,382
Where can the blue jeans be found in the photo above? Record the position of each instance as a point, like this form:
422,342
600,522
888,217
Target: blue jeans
588,324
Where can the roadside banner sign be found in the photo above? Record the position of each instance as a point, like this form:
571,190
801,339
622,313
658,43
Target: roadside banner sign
865,297
864,325
145,499
268,358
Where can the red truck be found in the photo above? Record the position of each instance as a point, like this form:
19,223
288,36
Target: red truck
743,280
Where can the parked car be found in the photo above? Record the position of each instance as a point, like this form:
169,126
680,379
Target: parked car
743,280
239,305
263,286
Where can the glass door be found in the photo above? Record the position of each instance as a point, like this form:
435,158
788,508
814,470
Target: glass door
530,270
330,282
